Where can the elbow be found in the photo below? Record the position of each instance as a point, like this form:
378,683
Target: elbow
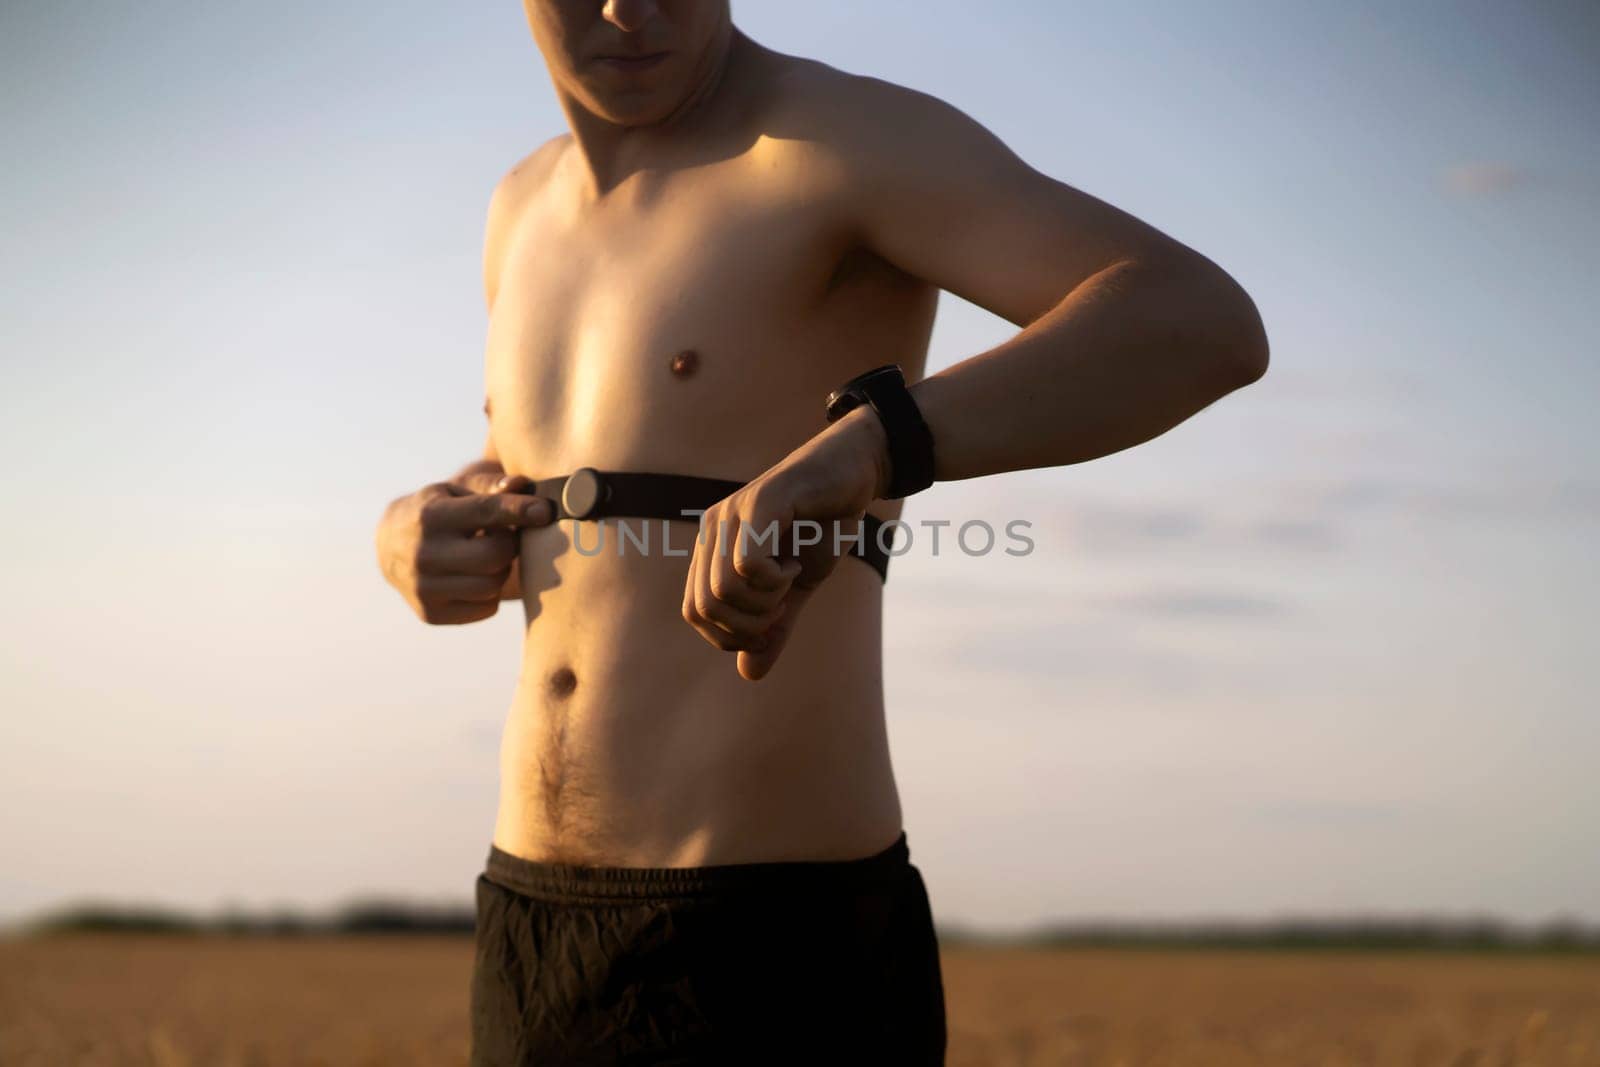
1235,335
1248,350
1213,318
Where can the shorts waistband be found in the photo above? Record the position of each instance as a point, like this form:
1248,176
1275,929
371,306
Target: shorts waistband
571,882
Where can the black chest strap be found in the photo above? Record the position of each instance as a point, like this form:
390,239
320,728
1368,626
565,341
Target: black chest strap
587,493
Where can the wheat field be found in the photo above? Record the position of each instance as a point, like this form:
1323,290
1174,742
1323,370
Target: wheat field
248,1001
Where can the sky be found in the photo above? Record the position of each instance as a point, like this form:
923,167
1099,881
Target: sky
1325,648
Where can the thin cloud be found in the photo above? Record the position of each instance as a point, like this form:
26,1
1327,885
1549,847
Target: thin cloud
1478,181
1044,664
1113,528
1098,527
1508,498
1201,603
1310,535
1329,812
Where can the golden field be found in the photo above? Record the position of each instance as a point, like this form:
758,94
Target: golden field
201,1000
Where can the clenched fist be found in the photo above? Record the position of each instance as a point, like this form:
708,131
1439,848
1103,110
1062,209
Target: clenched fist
450,551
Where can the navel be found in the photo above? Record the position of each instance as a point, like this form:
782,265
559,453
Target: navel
562,681
684,364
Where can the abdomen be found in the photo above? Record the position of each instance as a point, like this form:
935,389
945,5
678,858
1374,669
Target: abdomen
632,741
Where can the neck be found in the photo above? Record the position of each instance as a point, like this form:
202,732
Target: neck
610,152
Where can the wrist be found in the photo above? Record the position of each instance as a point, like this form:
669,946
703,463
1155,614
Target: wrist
870,441
908,446
926,395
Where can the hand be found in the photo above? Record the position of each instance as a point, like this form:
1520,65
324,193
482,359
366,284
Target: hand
744,595
450,551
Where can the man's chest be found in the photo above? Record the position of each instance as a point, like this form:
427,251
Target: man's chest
694,317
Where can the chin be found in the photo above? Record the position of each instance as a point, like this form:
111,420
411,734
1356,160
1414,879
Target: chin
640,105
633,112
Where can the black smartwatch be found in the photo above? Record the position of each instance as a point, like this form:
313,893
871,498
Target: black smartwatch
910,441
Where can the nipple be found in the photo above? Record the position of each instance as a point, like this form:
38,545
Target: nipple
684,364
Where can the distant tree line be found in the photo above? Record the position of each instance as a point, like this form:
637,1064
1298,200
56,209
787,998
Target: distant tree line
365,917
1422,933
379,917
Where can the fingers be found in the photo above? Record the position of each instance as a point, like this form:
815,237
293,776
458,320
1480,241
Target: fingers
466,588
491,553
754,664
457,612
728,628
467,512
745,570
459,547
439,489
741,593
493,481
756,589
721,605
512,483
752,565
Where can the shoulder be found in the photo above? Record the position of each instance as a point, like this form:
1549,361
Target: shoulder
511,194
876,139
518,184
857,115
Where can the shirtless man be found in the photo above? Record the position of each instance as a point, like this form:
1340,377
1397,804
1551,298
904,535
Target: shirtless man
698,855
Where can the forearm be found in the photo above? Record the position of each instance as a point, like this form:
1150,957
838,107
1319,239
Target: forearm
1126,356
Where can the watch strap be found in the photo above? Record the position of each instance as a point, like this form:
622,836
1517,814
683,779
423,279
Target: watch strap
910,441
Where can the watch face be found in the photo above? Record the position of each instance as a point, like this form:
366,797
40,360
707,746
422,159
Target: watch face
853,394
842,405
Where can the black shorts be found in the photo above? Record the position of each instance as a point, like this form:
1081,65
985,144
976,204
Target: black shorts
798,962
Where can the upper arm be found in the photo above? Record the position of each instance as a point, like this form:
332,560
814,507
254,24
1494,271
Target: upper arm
496,232
493,242
943,199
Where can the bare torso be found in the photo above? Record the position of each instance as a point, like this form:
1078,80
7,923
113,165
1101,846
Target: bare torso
630,740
